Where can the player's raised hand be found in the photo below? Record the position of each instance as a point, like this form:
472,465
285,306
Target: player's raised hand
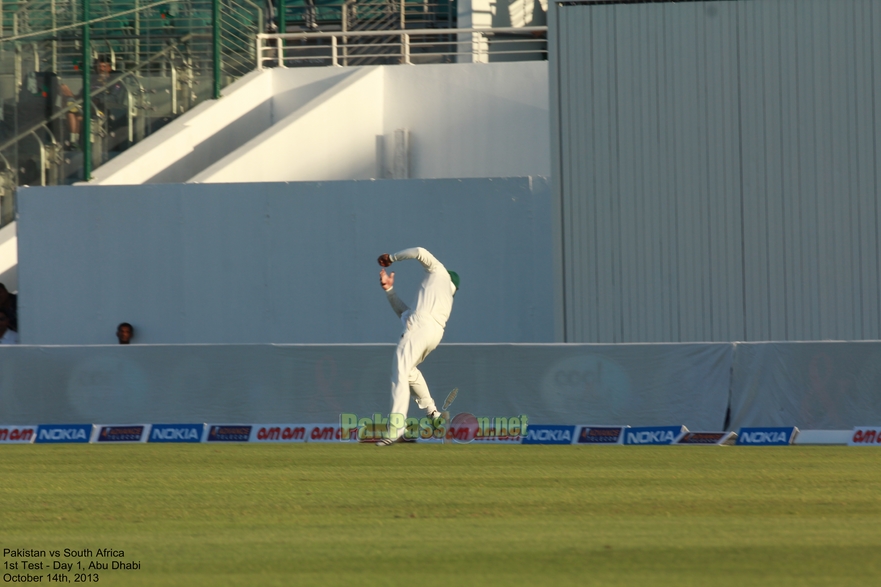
384,260
386,280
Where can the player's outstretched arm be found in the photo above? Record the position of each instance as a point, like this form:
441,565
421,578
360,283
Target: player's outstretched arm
422,255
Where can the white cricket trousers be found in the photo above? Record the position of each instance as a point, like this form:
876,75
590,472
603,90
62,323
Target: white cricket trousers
422,336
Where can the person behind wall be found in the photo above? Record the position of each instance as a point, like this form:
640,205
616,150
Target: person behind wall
7,335
125,332
9,303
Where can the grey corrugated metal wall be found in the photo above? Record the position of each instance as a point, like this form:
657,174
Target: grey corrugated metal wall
715,168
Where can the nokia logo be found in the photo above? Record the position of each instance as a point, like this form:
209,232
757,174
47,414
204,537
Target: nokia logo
653,435
766,436
176,433
549,434
77,433
763,437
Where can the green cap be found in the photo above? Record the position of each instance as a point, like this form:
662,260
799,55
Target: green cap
455,277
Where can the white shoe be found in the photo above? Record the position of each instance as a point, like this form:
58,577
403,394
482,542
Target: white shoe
387,441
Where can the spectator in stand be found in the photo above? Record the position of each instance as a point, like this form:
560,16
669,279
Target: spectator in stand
110,108
9,304
7,335
125,332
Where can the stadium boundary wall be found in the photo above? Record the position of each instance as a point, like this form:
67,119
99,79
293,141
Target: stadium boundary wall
279,262
828,385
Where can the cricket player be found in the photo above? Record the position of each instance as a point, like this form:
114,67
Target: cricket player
423,331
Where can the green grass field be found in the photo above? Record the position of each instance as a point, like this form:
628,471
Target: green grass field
439,515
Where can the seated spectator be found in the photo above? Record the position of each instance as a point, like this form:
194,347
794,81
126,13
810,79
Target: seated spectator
9,303
7,335
125,332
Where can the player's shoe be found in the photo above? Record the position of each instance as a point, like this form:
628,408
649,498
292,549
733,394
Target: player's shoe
399,440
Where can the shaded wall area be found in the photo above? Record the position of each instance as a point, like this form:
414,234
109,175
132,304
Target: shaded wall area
703,386
279,262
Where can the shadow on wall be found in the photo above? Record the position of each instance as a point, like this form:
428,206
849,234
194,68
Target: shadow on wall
517,13
518,47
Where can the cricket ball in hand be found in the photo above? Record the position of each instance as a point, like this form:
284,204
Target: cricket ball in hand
463,428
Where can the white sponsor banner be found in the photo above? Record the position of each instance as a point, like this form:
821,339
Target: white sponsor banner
328,433
865,436
823,437
17,434
278,433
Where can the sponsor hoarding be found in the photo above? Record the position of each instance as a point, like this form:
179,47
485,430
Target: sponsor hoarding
116,433
773,436
545,434
490,437
278,433
865,436
177,432
708,438
328,433
228,432
17,434
840,437
654,434
600,434
63,433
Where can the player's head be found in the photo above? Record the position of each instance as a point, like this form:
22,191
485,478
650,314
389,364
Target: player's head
454,277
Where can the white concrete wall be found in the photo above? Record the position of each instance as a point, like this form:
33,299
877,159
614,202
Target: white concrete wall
279,263
319,124
215,128
480,120
333,136
473,120
9,257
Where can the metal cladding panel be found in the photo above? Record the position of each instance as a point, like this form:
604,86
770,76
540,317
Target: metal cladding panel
809,183
648,196
717,169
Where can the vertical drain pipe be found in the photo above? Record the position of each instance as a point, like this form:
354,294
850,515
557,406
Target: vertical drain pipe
87,95
215,26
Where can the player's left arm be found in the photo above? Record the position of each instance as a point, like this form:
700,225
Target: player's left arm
431,264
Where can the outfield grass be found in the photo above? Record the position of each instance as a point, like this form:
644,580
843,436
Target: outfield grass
431,514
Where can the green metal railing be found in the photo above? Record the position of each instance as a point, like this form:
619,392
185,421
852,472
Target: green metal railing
159,59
